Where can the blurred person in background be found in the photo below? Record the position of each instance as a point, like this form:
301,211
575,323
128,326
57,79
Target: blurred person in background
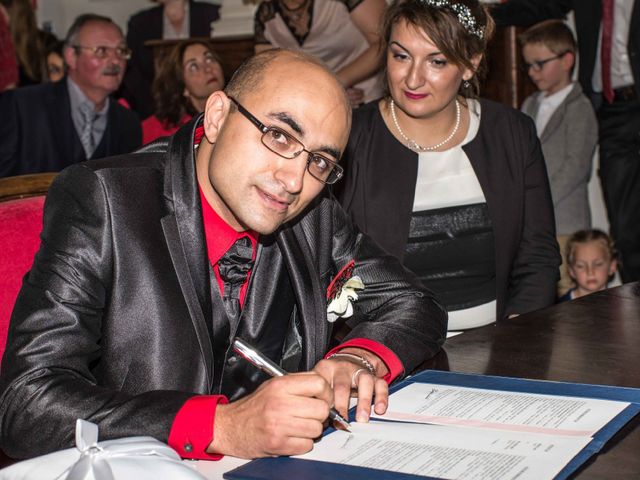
608,33
27,40
55,62
8,63
47,127
171,19
591,261
342,33
566,125
190,73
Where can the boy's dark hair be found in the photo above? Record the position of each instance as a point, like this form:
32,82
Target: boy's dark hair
553,34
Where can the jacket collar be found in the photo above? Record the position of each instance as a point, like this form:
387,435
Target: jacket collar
559,113
184,233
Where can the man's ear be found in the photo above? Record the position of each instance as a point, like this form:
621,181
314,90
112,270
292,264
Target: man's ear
70,57
216,111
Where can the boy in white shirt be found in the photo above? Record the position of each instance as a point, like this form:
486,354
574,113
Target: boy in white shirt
566,125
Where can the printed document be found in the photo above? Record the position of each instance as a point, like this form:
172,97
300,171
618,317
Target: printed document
467,433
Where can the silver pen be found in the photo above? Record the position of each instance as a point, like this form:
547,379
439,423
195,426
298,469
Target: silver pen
252,355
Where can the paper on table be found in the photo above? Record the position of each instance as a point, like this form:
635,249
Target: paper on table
448,452
513,435
521,412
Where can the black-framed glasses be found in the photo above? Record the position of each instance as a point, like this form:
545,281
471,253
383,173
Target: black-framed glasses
538,65
287,146
101,51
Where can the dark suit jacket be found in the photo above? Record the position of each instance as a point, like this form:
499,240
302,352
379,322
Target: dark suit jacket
587,18
113,323
147,25
37,132
379,187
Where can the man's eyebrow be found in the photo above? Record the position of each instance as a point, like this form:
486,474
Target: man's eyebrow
289,120
334,152
296,127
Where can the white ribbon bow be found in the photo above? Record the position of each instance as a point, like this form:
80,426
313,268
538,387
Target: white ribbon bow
93,462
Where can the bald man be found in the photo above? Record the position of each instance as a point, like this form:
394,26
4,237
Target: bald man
128,314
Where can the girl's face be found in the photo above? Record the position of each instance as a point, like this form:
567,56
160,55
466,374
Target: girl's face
592,267
422,81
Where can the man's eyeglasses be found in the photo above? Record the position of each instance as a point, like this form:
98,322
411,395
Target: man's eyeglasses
287,146
538,65
101,51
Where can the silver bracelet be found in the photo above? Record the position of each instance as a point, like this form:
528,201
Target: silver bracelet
365,363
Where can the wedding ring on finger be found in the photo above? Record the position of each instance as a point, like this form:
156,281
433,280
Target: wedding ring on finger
354,377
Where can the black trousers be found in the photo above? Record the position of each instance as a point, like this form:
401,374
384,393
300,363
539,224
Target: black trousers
619,132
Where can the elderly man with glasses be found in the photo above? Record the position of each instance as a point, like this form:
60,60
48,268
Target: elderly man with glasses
48,127
153,263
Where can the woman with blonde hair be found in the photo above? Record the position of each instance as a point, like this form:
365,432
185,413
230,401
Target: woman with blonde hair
453,185
592,262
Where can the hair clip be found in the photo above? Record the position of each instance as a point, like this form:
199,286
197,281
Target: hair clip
465,17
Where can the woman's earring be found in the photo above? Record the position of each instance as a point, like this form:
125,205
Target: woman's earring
466,84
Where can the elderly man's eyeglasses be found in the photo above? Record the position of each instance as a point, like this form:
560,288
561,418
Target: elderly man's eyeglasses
287,146
538,65
102,51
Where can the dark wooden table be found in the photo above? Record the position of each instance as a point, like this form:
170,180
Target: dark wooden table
594,339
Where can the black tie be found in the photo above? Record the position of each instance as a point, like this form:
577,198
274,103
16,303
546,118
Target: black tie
233,267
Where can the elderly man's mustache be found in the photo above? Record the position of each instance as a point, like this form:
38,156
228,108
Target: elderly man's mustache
112,70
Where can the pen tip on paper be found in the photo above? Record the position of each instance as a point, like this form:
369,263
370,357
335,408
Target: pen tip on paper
341,424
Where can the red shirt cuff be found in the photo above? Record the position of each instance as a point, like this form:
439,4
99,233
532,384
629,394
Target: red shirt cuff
390,359
192,429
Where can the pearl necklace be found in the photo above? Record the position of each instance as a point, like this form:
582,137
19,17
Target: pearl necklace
412,144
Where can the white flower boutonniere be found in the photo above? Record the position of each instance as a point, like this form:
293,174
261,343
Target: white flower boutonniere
342,292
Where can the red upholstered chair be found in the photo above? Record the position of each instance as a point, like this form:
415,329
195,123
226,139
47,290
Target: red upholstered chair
21,202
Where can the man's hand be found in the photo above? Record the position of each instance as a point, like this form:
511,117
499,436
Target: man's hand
282,417
349,377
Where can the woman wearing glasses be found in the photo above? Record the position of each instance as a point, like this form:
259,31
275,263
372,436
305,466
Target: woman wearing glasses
189,74
453,185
